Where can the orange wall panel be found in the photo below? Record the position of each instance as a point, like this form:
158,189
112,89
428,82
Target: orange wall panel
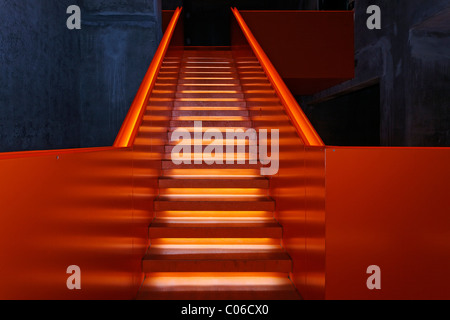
71,209
388,207
323,39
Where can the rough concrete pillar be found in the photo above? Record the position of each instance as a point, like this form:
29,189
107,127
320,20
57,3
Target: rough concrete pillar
118,41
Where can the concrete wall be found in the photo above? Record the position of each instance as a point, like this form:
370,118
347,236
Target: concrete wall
409,57
66,89
39,78
118,41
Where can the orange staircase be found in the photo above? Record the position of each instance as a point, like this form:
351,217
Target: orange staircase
214,235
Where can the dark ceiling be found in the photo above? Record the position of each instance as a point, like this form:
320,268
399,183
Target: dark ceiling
207,22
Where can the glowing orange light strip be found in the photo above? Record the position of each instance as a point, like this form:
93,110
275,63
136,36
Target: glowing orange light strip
131,124
299,119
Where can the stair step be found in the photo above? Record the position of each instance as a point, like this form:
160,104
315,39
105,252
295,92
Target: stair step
216,260
209,75
190,68
213,214
206,64
206,128
238,156
209,102
211,108
169,149
231,203
205,142
222,95
209,80
168,164
214,183
210,124
211,173
205,87
222,286
209,113
171,228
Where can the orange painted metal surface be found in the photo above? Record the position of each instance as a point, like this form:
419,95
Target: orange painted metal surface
298,118
388,207
73,209
131,124
323,39
299,194
85,207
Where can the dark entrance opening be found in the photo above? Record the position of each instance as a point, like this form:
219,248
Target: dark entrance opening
333,4
207,22
352,119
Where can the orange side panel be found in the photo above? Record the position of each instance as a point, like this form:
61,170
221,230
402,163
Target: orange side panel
88,209
323,39
388,207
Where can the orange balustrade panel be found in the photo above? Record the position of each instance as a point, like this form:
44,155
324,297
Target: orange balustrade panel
388,207
74,209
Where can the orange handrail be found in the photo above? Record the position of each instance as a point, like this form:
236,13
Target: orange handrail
298,118
131,124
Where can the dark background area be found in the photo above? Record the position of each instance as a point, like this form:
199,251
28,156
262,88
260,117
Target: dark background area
62,88
351,119
70,89
207,23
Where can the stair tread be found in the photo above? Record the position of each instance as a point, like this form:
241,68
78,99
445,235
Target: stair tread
217,287
219,293
168,164
212,198
216,254
198,223
217,183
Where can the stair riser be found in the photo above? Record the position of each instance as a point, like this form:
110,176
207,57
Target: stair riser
209,103
206,81
272,233
223,95
217,266
211,124
170,165
235,149
209,113
214,183
214,206
206,88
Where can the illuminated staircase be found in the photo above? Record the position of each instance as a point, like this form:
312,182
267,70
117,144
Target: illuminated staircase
214,235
